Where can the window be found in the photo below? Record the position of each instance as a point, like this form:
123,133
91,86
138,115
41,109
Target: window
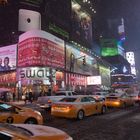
61,94
85,99
5,136
91,99
68,100
74,93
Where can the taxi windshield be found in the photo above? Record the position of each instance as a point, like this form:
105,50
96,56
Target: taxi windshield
16,129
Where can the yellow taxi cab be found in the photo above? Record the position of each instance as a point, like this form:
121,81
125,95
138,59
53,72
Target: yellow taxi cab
77,107
31,132
13,114
119,100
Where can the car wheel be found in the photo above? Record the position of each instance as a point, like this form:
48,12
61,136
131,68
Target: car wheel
31,121
80,115
103,110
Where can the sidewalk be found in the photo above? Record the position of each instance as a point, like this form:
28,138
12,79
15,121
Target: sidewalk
21,102
18,102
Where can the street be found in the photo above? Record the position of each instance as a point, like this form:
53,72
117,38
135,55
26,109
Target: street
116,124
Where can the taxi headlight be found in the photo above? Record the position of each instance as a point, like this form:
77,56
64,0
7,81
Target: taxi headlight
37,112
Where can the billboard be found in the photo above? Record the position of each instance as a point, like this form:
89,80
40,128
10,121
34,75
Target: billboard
75,59
94,80
81,24
131,59
105,75
39,48
29,20
8,58
109,47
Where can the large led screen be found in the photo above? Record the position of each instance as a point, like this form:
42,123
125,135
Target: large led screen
105,75
109,47
8,58
39,48
81,24
74,61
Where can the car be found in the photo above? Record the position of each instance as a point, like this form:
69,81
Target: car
77,107
100,95
10,113
135,96
31,132
45,102
119,100
65,93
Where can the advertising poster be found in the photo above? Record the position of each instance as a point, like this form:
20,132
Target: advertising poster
8,78
105,75
81,23
39,48
74,61
109,47
8,58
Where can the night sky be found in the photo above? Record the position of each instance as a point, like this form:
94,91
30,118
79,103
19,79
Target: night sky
130,11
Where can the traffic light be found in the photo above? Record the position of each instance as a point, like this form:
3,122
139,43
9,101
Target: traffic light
84,61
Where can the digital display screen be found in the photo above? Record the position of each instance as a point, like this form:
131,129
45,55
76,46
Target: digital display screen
8,57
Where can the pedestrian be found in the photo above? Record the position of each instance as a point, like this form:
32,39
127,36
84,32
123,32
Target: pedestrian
30,97
49,92
14,96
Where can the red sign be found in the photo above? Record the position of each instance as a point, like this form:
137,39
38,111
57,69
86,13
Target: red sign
8,78
75,79
39,51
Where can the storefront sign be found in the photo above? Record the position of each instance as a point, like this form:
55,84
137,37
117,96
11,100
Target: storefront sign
35,73
39,48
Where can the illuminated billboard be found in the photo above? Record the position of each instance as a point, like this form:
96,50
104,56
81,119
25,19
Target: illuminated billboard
75,59
105,75
39,48
81,24
109,47
94,80
131,59
8,57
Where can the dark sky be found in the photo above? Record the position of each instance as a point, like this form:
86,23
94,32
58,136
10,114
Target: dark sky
130,11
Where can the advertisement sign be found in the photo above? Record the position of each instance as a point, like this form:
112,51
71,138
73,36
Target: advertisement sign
35,73
81,24
8,57
105,75
8,78
109,47
29,20
80,62
75,79
39,48
94,80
